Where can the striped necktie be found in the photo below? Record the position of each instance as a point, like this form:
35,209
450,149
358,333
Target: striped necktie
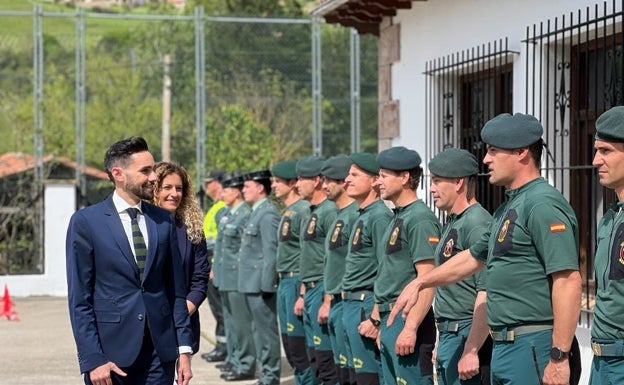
140,249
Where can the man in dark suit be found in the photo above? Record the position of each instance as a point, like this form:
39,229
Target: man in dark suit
126,292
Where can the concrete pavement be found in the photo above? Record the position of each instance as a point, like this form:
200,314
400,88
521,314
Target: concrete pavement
40,348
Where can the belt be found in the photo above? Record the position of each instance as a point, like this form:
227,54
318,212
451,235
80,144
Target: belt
511,333
385,307
311,284
335,298
287,274
448,326
609,349
359,295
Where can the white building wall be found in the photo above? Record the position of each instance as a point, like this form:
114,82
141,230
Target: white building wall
60,204
436,28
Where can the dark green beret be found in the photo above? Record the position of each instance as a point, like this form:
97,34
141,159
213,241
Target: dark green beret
610,125
310,166
512,131
285,170
337,167
454,163
366,161
259,175
398,159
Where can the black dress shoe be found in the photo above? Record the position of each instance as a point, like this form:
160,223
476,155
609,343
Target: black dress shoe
236,376
224,366
214,356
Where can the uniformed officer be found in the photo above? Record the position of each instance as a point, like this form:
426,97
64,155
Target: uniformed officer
240,363
409,244
607,329
288,261
334,172
365,247
214,190
533,280
257,278
315,229
464,349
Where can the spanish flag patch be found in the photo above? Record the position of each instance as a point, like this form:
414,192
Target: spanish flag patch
434,239
557,227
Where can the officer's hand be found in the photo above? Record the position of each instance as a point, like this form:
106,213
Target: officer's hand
406,301
184,369
405,343
267,295
468,365
102,374
368,330
298,310
323,313
557,373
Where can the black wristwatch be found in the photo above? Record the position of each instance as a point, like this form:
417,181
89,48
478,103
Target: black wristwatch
376,323
557,354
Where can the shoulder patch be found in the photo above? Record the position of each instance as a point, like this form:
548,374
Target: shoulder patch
557,227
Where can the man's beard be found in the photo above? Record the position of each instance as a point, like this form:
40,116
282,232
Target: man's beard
144,191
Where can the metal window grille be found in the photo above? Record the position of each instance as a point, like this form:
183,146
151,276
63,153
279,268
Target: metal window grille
464,90
575,70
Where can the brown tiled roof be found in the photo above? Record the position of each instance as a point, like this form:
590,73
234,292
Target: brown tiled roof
17,162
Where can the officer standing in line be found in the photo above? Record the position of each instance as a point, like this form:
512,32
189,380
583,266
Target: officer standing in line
315,229
240,362
334,172
288,261
533,280
360,321
410,240
213,189
462,356
607,329
257,278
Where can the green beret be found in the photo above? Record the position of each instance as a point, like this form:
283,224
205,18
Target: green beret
454,163
610,125
285,170
337,167
310,166
398,159
512,131
366,161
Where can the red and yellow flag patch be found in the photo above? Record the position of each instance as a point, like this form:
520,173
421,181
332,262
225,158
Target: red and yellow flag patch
557,227
434,239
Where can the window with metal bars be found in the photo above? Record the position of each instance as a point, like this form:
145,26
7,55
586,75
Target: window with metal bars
465,90
575,72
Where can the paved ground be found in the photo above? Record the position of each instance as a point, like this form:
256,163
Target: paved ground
40,348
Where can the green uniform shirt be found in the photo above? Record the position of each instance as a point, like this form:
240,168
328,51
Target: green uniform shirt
412,237
533,234
336,247
456,302
231,227
366,246
288,233
609,268
314,230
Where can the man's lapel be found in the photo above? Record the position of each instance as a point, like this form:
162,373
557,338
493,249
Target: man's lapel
152,231
113,222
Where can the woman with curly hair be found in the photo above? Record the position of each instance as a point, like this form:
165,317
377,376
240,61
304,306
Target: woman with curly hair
173,192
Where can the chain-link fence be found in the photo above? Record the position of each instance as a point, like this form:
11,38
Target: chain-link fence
232,93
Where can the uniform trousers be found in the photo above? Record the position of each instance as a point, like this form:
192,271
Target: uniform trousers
366,360
263,311
450,349
412,369
244,352
338,339
292,330
521,361
608,370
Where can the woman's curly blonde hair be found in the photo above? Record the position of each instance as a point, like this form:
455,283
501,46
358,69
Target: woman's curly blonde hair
188,212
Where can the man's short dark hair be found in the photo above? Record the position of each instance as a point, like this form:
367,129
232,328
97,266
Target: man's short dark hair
536,152
414,177
120,152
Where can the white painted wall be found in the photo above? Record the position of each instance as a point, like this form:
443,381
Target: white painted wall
60,204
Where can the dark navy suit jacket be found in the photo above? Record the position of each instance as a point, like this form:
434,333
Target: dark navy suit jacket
109,307
196,269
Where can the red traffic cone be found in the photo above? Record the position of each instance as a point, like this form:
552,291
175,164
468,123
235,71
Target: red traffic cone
7,309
